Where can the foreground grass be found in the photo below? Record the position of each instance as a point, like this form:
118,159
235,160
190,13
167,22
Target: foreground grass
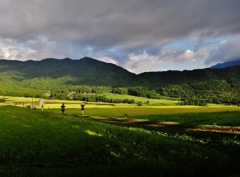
35,143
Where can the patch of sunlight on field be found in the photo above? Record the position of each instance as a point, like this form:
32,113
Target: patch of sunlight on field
170,123
3,104
19,99
89,132
92,108
74,104
216,105
58,105
141,99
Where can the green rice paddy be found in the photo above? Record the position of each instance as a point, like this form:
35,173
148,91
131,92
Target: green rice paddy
49,143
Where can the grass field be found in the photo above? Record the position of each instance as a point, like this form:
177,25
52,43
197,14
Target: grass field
152,102
47,143
155,106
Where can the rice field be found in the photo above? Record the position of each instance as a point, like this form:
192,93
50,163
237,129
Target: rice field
49,143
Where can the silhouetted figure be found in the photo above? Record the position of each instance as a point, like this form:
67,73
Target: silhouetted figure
63,108
82,108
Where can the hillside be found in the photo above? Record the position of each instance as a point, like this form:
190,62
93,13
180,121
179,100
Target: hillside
182,77
58,78
86,71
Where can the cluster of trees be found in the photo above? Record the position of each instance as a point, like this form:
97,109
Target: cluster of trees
100,98
88,93
21,93
195,93
216,91
137,91
198,93
85,93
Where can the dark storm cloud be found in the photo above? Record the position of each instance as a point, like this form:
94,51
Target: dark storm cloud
133,26
113,22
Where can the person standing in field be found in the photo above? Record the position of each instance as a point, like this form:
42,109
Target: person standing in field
82,108
63,108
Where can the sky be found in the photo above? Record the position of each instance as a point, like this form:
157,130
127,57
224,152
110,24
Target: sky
138,35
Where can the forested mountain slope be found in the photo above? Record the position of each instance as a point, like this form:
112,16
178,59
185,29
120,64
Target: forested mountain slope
88,71
85,71
90,75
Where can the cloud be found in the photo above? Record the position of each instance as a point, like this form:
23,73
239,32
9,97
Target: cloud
110,22
9,50
115,31
226,51
108,60
137,62
178,55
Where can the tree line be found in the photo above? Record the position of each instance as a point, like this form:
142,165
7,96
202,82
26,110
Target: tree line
196,93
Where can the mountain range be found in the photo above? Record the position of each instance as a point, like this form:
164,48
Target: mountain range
88,71
226,64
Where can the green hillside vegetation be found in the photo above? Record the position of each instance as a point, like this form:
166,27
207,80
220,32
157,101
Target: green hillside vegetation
87,78
36,143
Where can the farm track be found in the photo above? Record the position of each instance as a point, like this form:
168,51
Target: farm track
226,129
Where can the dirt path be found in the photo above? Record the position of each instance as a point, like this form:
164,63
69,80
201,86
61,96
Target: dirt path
227,129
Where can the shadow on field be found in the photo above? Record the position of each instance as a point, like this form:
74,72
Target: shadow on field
138,123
